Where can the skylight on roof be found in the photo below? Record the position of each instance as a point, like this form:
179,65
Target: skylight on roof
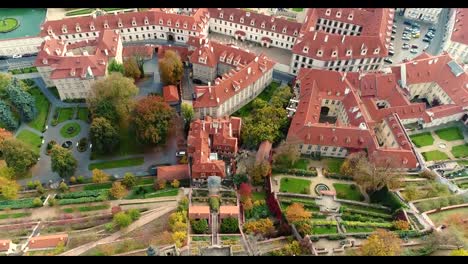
456,69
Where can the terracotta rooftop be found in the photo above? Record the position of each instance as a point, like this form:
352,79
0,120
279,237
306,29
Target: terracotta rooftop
5,245
170,94
48,241
229,211
180,171
263,152
199,211
460,29
130,51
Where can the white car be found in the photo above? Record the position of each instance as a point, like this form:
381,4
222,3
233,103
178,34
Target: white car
414,51
405,47
406,38
17,56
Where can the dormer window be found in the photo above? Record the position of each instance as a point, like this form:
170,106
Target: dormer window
44,61
185,25
236,62
161,22
106,25
221,58
78,29
350,16
349,52
273,27
134,22
284,30
194,27
338,14
169,23
363,51
64,30
220,15
328,12
146,21
319,53
263,25
295,32
376,51
231,17
242,20
120,23
92,27
201,60
49,31
334,53
305,49
177,24
252,22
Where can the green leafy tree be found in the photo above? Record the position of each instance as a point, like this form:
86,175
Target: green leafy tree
6,116
115,90
200,226
5,80
37,202
106,109
240,178
63,187
129,180
118,191
134,214
63,162
381,243
122,220
114,66
131,69
170,68
229,225
104,136
281,97
8,186
18,155
187,113
22,100
258,171
152,118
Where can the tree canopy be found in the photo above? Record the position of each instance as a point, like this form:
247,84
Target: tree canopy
114,66
22,100
131,68
296,212
381,243
103,135
171,68
62,161
18,155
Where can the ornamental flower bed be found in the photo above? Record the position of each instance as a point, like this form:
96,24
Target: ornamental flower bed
17,204
82,197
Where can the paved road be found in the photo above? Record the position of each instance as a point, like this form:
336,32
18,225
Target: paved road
440,38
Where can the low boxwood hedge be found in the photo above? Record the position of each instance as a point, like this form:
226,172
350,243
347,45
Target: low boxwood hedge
74,195
297,172
81,200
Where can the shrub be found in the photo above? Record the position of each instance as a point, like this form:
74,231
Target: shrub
229,225
336,237
109,227
122,220
52,201
80,179
200,226
81,200
175,183
63,187
118,191
30,185
129,180
428,174
72,179
37,202
40,189
214,203
90,193
401,225
160,184
134,214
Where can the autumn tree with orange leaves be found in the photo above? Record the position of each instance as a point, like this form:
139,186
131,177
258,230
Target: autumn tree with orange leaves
296,212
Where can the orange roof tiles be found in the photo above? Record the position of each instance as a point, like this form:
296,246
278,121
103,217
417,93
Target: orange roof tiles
460,29
5,245
172,172
199,212
130,51
228,211
48,241
263,152
170,94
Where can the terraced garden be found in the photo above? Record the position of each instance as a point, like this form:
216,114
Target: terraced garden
449,134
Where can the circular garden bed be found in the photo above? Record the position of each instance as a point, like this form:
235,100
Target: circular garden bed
8,24
321,187
70,130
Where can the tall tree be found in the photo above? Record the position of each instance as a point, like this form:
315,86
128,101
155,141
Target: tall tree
152,118
6,116
245,191
106,109
62,161
18,155
118,191
8,186
24,102
171,68
100,176
286,154
381,243
129,180
4,134
140,60
5,80
459,252
115,90
187,113
114,66
104,136
131,68
296,212
258,171
261,226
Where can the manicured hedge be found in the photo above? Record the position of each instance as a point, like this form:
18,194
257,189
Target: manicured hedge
349,216
336,237
297,172
412,233
17,204
74,195
323,222
81,200
351,210
370,224
339,177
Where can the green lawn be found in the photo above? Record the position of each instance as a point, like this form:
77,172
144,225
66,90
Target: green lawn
42,105
65,114
450,133
434,155
344,191
257,196
302,164
150,192
8,24
85,208
334,164
76,131
83,113
80,12
15,215
423,139
55,92
97,186
116,163
293,185
30,138
460,151
359,229
463,162
298,9
321,230
440,217
112,9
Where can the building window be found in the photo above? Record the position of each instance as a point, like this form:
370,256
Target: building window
338,14
328,12
220,15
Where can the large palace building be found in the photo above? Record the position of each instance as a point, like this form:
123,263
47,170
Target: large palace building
457,44
339,113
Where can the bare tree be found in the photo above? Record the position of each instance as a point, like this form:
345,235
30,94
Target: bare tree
286,155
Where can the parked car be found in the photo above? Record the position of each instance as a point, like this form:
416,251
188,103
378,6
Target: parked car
17,56
394,26
387,60
197,81
416,35
406,38
180,153
425,39
391,52
414,51
393,31
405,46
406,22
426,47
432,28
408,29
392,38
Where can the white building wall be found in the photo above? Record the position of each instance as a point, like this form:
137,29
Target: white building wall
21,46
328,151
458,51
429,15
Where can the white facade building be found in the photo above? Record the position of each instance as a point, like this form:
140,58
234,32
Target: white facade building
427,15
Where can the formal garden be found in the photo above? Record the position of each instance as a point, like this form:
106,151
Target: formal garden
422,140
117,163
8,24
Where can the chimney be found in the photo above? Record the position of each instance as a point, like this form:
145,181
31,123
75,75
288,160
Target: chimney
230,129
249,70
315,35
47,51
106,52
203,125
326,38
199,52
57,51
343,38
211,49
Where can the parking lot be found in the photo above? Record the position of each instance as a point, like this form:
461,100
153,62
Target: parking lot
400,53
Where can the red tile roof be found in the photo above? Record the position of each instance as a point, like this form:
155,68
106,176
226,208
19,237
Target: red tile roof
199,212
226,211
248,68
172,172
460,29
49,241
197,20
264,151
258,19
223,133
130,51
170,94
5,245
376,24
182,51
55,53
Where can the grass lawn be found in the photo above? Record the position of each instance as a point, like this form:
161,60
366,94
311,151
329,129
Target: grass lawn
80,12
462,162
460,151
83,113
85,208
450,133
144,181
97,186
30,138
320,230
8,24
298,9
116,163
65,114
42,105
55,92
434,155
423,139
334,164
293,185
15,215
112,9
256,196
150,192
301,164
367,209
359,229
163,193
344,191
440,217
76,131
